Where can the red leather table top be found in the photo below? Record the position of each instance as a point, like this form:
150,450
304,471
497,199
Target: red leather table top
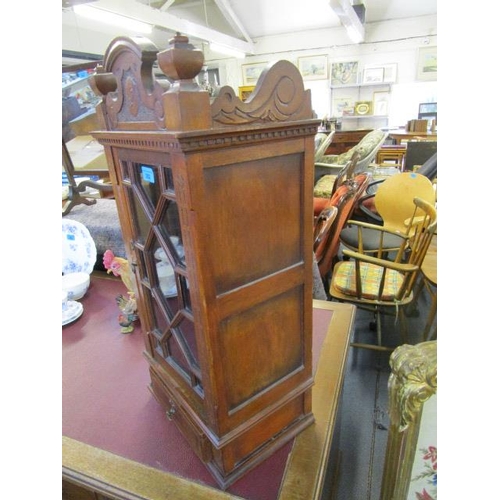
106,402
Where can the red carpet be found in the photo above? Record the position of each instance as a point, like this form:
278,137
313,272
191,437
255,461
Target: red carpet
106,402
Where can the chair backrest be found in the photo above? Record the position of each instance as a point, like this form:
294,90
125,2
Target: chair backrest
344,199
423,227
394,198
322,141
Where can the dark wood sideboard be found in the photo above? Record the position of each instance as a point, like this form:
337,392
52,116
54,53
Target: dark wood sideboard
344,140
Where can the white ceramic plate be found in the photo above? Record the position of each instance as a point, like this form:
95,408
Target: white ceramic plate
79,252
74,311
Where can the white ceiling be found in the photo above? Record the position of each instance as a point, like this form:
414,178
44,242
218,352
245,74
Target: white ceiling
273,17
240,21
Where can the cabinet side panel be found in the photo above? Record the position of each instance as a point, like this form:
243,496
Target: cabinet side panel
262,346
253,213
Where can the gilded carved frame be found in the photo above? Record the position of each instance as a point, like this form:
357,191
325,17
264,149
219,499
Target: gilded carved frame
412,383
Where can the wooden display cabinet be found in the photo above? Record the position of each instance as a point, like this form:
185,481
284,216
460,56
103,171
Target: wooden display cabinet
224,190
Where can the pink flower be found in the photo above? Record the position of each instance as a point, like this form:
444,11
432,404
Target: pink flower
424,495
432,456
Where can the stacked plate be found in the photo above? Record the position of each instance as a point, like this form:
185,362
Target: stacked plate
73,311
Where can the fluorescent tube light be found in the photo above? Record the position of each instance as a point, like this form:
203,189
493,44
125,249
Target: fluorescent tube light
103,16
222,49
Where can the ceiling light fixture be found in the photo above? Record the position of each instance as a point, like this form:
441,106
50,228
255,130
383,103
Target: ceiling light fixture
222,49
104,16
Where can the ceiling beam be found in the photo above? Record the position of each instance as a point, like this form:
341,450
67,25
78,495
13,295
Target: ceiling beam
144,13
232,18
349,19
166,5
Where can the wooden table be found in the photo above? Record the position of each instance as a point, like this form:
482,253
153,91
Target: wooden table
109,450
429,280
429,272
399,136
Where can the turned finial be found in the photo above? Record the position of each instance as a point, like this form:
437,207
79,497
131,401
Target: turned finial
181,62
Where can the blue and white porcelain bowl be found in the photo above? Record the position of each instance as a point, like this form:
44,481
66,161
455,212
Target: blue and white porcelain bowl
75,284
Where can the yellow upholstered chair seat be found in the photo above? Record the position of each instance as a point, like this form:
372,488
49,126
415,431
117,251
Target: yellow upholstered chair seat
344,280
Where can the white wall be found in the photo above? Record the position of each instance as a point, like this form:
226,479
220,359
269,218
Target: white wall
385,43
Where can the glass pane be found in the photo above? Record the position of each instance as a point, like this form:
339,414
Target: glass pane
170,228
147,179
142,222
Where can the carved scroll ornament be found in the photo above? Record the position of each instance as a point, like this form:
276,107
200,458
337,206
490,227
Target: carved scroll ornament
127,83
279,96
412,382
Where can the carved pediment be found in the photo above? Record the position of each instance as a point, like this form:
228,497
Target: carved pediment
278,96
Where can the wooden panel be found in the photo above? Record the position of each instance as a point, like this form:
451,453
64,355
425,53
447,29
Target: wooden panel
247,338
253,210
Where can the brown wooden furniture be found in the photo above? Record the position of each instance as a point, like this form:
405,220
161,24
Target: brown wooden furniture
343,140
391,156
224,189
379,284
401,136
117,445
429,279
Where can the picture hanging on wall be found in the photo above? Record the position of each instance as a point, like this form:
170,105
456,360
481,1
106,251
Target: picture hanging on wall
381,103
390,72
373,75
427,63
344,73
362,108
343,106
313,67
251,72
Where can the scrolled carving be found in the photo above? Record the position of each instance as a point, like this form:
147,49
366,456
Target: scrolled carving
126,82
412,382
279,96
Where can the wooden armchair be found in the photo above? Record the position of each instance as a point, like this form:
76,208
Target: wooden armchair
393,204
381,285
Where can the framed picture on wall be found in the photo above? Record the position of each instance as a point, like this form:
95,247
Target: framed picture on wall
373,75
343,106
427,66
313,67
390,73
251,72
344,73
381,103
